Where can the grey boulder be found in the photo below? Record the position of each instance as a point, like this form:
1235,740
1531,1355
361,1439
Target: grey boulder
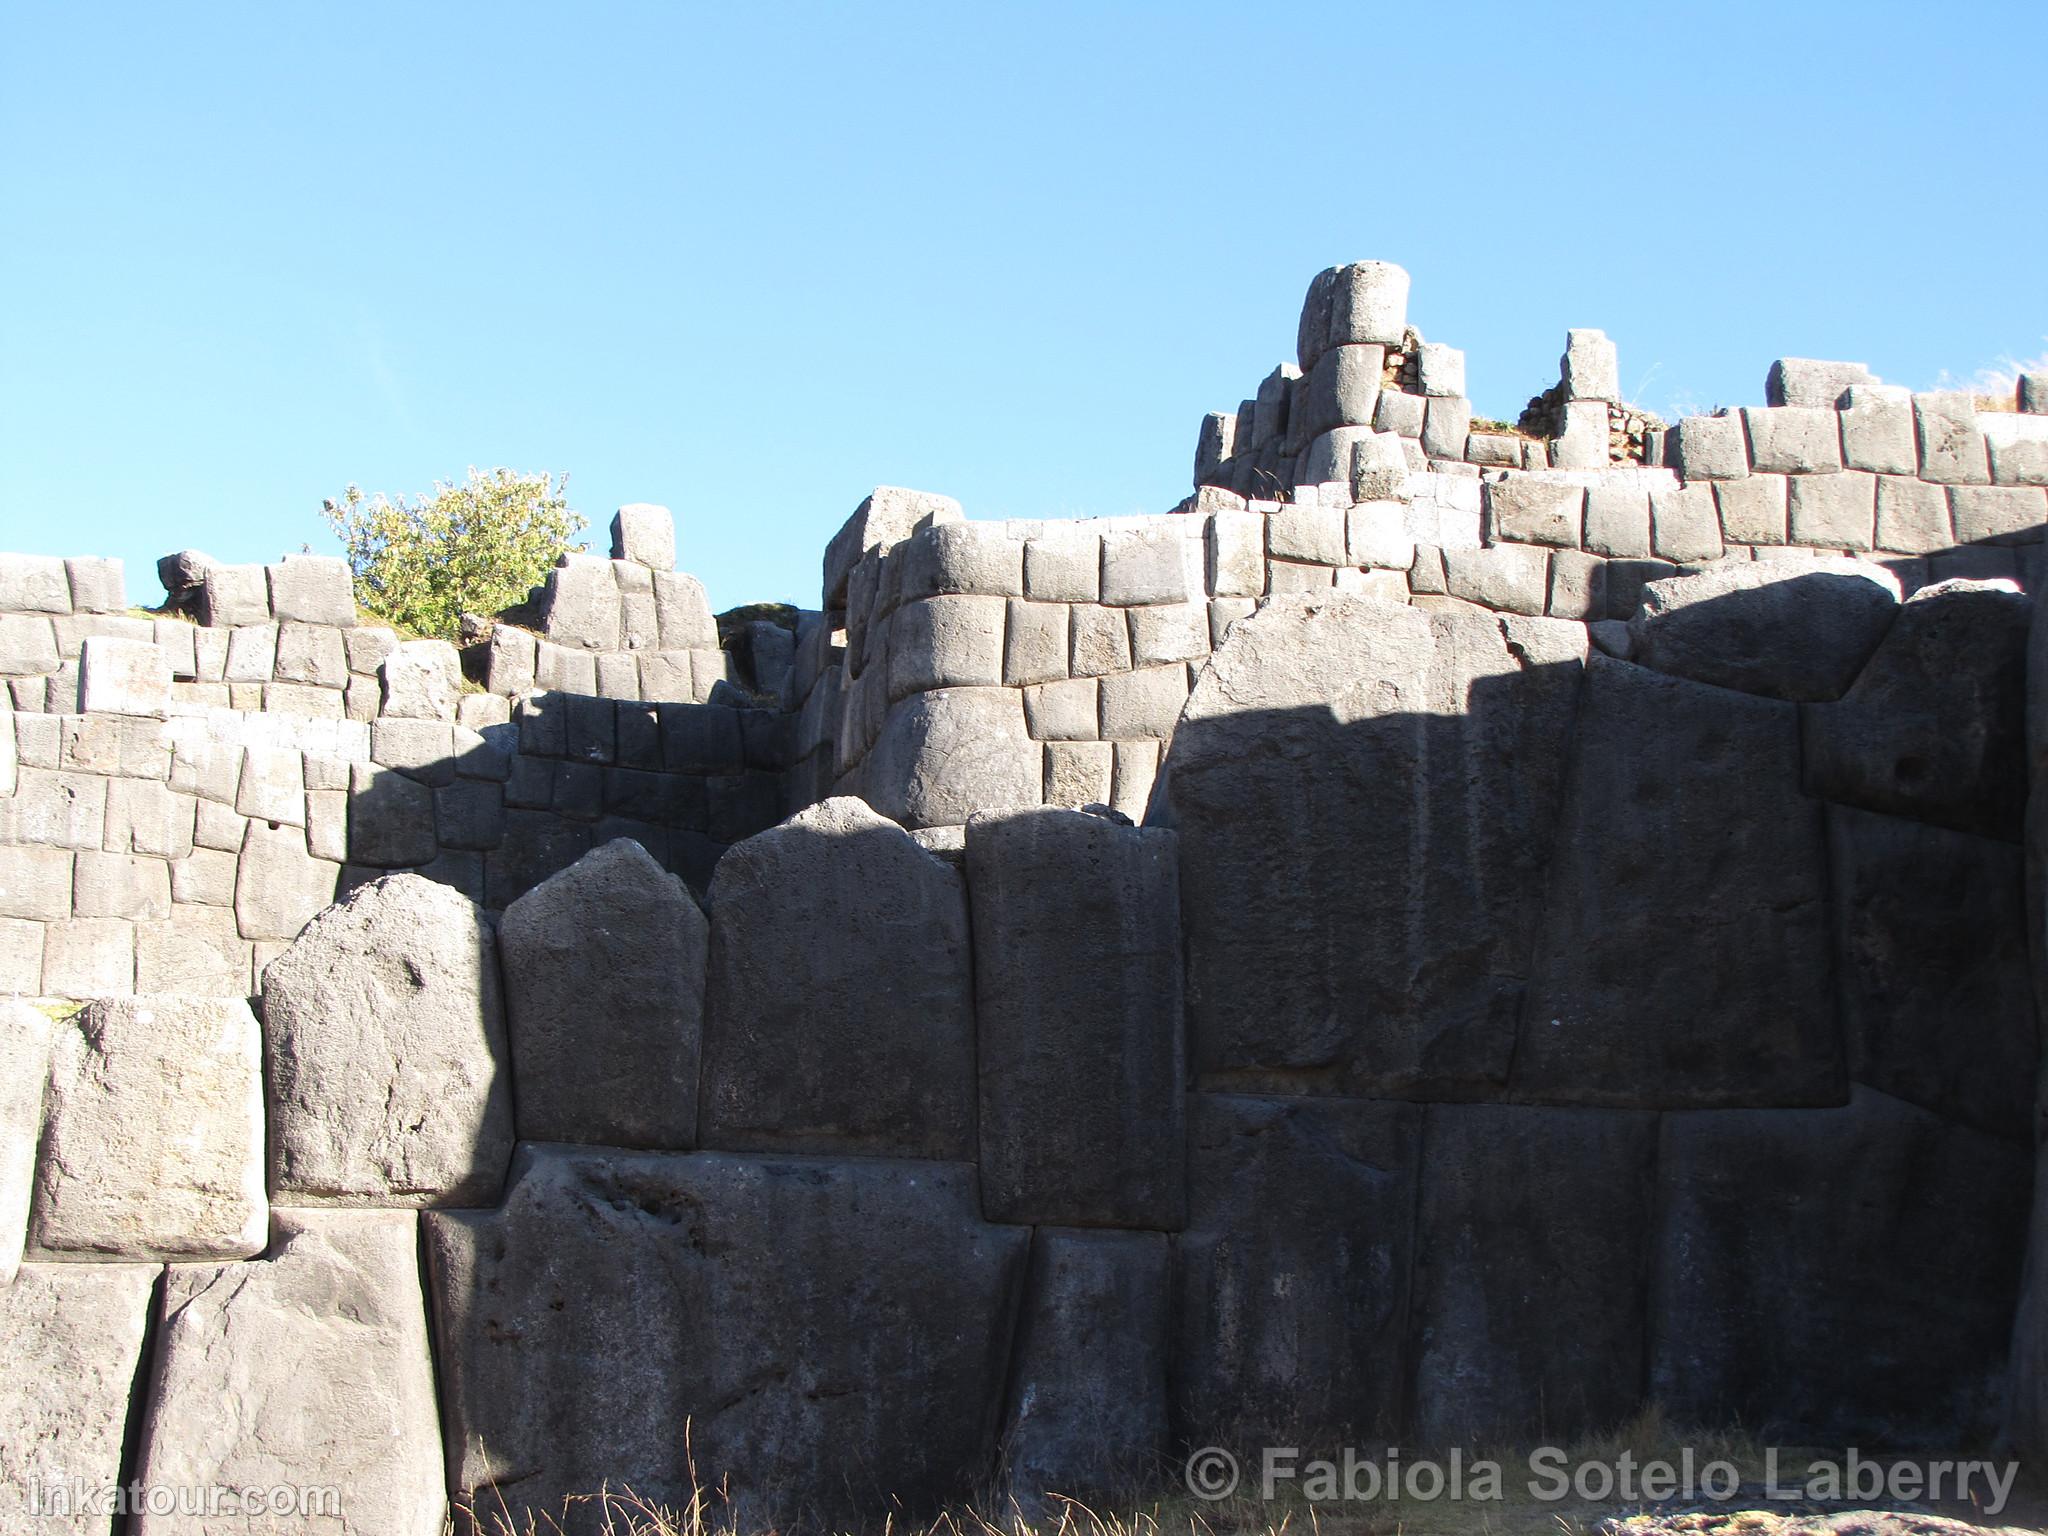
385,1044
839,1010
604,998
308,1368
1783,631
814,1339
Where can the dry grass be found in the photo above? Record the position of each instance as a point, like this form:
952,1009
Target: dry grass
1171,1511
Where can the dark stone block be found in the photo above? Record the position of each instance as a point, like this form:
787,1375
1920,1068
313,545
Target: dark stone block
579,790
639,728
470,813
1366,796
743,804
1935,728
531,784
543,720
1087,1400
535,845
700,738
840,1009
767,738
1764,628
1291,1280
833,1336
1684,959
592,730
1531,1267
1078,1020
1838,1276
1931,948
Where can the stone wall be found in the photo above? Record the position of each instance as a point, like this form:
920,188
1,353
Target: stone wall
180,794
1574,957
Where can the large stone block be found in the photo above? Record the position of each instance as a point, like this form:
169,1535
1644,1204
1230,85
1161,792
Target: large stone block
384,1038
1810,382
1532,1243
35,883
1291,1280
815,1339
1509,578
71,1338
1342,388
422,680
1710,448
1684,525
153,1133
1366,795
1812,1319
308,1369
1144,703
1087,1410
1877,430
1912,516
1934,727
887,517
1531,509
645,534
1146,564
1931,950
234,595
1794,439
28,645
580,606
1368,303
1781,630
1684,955
2006,514
1591,366
604,996
1064,565
25,1043
943,755
34,584
1618,521
839,1015
1833,511
391,823
682,613
1951,448
2018,445
123,677
313,589
1078,1019
962,558
946,642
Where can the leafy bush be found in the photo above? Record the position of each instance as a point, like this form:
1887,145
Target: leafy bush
476,547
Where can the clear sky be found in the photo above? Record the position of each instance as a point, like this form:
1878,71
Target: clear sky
750,260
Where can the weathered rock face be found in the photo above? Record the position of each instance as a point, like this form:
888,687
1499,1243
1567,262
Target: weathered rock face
1783,631
830,1336
385,1044
25,1047
1931,951
1087,1412
307,1368
945,755
1078,1010
839,1014
1531,1270
604,994
1684,957
1291,1280
70,1339
1934,728
1365,795
153,1133
1818,1318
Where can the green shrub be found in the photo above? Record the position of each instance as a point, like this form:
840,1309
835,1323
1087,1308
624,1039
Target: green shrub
476,547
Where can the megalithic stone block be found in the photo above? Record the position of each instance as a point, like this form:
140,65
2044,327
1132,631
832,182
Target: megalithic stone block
25,1044
1087,1411
814,1339
308,1369
1291,1280
388,1075
839,1014
1078,1019
153,1133
1331,757
1682,798
604,995
71,1337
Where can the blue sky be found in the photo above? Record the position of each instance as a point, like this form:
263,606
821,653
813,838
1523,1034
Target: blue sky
751,260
